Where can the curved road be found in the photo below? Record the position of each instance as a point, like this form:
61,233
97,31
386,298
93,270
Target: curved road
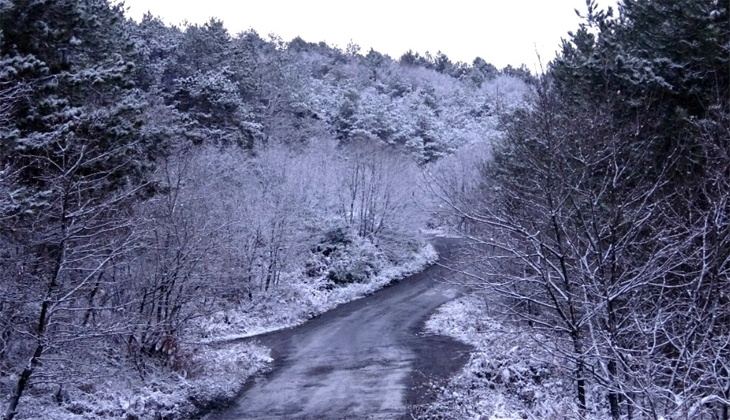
367,359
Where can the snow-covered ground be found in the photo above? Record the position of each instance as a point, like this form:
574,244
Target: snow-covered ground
217,375
294,305
510,375
216,369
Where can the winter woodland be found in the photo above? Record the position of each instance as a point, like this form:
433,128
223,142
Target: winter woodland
165,187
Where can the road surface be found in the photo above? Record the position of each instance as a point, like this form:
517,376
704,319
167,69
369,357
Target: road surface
367,359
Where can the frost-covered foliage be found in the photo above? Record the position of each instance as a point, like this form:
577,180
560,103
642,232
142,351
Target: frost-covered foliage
513,373
431,119
298,301
211,376
154,176
375,98
600,216
284,237
246,89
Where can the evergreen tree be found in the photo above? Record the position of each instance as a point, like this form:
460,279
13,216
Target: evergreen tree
74,148
611,180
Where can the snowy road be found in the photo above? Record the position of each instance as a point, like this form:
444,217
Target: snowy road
364,360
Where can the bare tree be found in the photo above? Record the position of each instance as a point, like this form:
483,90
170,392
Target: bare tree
377,194
581,239
66,237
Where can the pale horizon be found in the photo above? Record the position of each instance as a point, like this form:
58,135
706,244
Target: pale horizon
501,32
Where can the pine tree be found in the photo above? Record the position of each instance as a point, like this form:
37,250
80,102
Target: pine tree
76,154
640,112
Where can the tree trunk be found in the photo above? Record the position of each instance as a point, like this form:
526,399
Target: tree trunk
613,396
580,373
90,310
630,405
22,383
43,319
33,362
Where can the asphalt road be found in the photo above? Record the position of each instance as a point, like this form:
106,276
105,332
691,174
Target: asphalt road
367,359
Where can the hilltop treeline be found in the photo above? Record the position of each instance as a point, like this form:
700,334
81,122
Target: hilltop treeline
154,178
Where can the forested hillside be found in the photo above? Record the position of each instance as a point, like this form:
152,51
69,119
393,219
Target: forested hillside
600,229
164,186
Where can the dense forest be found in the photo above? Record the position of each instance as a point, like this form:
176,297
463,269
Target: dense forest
161,186
164,186
602,219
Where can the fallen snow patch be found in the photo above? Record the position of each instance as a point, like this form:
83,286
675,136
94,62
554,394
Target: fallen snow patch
508,376
216,376
300,301
212,374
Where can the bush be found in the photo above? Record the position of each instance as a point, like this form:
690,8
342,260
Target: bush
356,263
343,257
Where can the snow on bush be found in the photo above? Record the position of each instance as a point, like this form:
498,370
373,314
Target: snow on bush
297,300
214,376
509,375
211,375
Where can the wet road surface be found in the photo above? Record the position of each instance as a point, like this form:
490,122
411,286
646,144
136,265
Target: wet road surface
367,359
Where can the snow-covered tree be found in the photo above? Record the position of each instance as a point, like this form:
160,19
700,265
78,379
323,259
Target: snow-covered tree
77,158
600,215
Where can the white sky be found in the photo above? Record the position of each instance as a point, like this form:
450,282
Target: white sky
500,31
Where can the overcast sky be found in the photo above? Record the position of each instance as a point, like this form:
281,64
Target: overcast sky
500,31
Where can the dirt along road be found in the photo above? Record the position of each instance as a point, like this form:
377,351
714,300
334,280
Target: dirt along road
367,359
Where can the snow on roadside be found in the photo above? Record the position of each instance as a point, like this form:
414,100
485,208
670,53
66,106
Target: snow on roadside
210,375
508,375
216,375
302,301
